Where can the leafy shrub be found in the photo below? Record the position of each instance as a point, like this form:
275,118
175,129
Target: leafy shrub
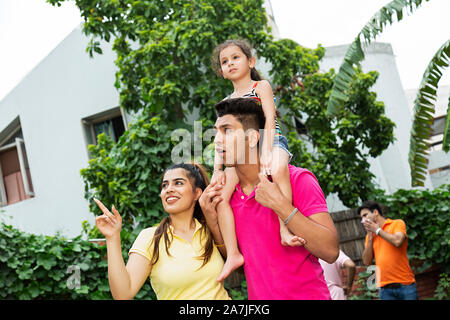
127,174
427,218
362,289
45,267
443,289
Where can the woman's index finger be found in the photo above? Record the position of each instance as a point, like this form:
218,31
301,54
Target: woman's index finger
102,206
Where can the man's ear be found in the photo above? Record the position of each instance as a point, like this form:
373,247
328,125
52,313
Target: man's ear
253,137
376,212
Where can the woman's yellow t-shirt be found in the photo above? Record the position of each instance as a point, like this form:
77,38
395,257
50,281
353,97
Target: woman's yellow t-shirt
179,276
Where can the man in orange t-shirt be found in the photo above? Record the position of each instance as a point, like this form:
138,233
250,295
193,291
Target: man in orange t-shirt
386,241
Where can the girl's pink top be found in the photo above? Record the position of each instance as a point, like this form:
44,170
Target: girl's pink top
274,271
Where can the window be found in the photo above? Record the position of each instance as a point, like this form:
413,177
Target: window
15,177
110,122
437,133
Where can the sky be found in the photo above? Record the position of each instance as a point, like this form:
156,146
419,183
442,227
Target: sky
31,29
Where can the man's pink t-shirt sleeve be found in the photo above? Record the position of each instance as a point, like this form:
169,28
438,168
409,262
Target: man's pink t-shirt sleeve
307,195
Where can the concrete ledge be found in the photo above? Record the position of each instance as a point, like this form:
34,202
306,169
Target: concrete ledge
373,48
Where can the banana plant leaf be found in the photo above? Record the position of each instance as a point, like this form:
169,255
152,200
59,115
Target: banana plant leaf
424,114
355,52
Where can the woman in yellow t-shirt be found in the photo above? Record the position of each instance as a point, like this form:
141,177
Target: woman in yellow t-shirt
179,255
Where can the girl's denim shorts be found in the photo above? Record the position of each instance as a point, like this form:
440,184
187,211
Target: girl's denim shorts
282,142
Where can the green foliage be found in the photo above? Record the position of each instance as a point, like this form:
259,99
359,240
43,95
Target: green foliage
426,214
163,61
362,290
128,174
163,48
44,267
337,159
355,52
424,110
443,289
239,293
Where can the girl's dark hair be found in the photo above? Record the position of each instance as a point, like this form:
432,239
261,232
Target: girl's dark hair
199,179
246,48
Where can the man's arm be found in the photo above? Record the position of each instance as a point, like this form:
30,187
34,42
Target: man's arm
395,239
367,255
317,229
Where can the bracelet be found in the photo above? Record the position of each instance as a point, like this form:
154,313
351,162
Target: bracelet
290,216
219,245
377,231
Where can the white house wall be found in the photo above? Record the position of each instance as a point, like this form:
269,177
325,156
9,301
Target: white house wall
391,168
51,101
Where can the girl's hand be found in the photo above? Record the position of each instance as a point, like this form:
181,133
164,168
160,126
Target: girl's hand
208,201
266,162
218,177
108,224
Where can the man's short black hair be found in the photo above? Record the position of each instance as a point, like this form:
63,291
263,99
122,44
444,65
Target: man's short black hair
370,205
247,110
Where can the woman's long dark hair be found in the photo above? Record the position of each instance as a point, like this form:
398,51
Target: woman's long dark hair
199,179
246,49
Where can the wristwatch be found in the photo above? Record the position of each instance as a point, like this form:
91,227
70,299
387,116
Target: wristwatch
377,231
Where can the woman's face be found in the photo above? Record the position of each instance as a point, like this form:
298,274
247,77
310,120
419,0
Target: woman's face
177,194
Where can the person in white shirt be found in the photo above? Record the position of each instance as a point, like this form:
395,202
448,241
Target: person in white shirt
333,276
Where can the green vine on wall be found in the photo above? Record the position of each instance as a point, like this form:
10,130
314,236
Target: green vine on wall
45,267
427,217
38,267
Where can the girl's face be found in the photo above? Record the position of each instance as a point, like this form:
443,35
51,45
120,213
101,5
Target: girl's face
234,64
177,194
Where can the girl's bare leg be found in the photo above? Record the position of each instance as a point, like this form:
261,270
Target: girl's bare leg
227,227
280,175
